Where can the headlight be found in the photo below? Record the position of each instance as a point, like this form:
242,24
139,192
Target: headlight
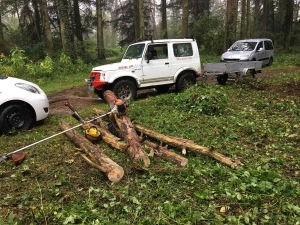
27,87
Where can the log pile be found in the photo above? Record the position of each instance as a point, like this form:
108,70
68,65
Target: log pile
120,129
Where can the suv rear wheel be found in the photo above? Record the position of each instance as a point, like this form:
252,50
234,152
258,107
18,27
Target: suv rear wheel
125,89
185,81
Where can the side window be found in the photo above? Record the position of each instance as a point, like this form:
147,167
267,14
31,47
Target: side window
260,45
182,49
268,45
158,51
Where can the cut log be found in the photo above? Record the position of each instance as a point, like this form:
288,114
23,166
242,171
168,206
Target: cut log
159,151
167,155
135,151
173,141
108,138
111,169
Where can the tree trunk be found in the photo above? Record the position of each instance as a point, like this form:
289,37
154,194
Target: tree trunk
116,143
98,159
185,144
2,42
165,154
141,19
288,20
136,20
100,39
248,33
66,31
164,19
135,151
47,29
185,16
243,28
107,137
78,28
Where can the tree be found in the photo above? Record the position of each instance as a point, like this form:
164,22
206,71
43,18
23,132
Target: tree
100,40
287,24
141,19
164,19
47,29
2,43
185,15
66,32
243,29
78,26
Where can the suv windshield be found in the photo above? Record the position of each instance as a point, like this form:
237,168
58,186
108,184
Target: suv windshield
243,46
134,51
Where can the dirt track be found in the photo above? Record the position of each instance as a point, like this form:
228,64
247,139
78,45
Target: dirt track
80,96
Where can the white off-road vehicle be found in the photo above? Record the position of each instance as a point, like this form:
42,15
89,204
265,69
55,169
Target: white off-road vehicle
147,64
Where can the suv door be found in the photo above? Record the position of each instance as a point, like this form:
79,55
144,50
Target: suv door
158,68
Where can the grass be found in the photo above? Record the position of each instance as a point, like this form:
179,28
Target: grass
255,121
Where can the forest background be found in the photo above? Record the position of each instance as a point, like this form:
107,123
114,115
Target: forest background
91,30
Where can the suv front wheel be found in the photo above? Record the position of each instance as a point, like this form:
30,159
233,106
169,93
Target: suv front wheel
125,89
185,81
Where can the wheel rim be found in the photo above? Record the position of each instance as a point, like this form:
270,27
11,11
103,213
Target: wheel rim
16,120
124,92
187,83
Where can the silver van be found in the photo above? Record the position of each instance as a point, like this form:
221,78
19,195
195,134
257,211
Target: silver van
250,50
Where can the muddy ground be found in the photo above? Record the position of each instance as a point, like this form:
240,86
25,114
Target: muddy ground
80,96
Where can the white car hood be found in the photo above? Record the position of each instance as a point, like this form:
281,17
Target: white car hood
235,54
8,90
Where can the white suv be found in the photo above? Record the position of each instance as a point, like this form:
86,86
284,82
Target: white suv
152,63
250,50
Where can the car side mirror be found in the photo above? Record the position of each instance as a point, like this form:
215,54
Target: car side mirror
148,56
260,49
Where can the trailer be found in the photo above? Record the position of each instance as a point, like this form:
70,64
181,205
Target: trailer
239,69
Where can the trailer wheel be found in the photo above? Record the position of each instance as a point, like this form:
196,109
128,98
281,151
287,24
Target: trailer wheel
222,79
125,89
185,81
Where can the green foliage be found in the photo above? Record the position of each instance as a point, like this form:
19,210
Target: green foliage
208,31
201,99
259,125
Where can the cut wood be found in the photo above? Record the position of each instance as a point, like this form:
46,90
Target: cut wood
111,169
158,150
165,154
135,150
174,141
108,138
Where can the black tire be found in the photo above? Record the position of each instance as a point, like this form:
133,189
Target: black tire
100,94
185,82
270,62
162,88
15,118
125,89
222,79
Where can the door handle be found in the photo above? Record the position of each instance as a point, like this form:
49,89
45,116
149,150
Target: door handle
167,63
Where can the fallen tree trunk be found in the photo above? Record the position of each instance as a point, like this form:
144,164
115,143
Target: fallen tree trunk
115,142
165,154
98,159
108,138
173,141
135,151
